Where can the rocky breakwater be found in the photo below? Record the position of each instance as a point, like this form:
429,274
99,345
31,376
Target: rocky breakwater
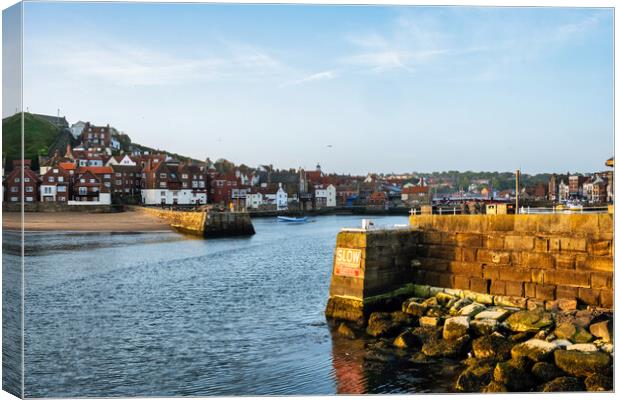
498,348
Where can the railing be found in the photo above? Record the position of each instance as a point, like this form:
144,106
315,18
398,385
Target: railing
574,210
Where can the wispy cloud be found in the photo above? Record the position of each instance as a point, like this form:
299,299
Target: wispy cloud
319,76
126,65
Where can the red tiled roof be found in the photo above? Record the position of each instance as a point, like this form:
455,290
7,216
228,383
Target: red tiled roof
66,165
96,170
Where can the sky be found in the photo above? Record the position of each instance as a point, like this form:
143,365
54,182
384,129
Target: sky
354,88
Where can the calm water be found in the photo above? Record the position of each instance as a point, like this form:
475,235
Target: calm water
162,314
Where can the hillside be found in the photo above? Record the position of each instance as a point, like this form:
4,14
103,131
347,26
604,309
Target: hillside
39,134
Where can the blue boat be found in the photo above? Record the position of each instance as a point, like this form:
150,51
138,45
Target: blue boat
292,219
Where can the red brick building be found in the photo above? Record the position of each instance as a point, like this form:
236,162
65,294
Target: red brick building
96,136
14,184
221,187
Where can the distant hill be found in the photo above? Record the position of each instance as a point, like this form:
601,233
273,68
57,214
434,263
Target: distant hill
39,135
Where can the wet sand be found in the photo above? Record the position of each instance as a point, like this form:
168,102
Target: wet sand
128,221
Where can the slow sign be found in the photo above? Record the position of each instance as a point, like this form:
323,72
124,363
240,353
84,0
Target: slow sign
348,262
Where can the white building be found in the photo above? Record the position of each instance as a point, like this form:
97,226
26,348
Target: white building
170,197
77,128
325,196
253,200
125,160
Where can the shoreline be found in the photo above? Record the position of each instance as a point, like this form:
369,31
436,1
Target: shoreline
131,221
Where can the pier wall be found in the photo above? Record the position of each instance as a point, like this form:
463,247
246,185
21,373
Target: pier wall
521,260
207,223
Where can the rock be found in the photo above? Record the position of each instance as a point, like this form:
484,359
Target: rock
414,308
455,327
475,376
486,299
434,311
514,375
608,348
534,349
495,387
498,314
458,305
578,363
431,302
585,347
405,340
482,327
563,384
544,371
471,310
381,324
602,330
345,331
562,343
510,301
572,332
402,319
567,304
599,383
437,347
444,298
424,333
520,337
582,318
492,347
431,321
529,320
420,358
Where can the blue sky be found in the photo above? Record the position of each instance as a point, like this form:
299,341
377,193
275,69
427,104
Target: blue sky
391,89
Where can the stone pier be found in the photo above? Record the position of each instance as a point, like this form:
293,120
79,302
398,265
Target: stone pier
517,260
207,224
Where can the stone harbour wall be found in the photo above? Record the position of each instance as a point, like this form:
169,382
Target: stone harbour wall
516,260
207,224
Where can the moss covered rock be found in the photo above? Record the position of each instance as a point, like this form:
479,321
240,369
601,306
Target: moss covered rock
529,320
578,363
492,347
534,349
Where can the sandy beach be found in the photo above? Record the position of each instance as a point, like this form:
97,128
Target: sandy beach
128,221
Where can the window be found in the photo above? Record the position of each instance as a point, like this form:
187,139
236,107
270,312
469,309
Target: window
118,182
162,193
162,184
26,180
185,184
55,170
13,198
50,179
82,180
184,176
82,191
118,174
47,190
29,198
106,184
61,199
194,184
162,176
95,189
62,189
91,180
61,179
17,180
14,189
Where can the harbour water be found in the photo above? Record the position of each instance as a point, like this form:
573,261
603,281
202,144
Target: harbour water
163,314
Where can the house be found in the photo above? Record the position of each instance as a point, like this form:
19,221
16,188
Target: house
346,194
171,182
253,199
575,183
91,157
96,136
92,185
269,196
599,190
324,196
14,184
563,190
377,200
56,184
221,187
416,195
120,160
126,181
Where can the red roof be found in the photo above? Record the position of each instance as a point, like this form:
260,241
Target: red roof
66,165
416,190
96,170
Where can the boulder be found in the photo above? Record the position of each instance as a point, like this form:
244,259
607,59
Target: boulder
585,347
381,324
455,327
498,314
574,333
578,363
544,371
444,298
514,375
529,320
562,343
474,377
434,311
495,387
458,305
431,321
405,340
345,331
431,302
403,319
534,349
437,347
492,347
563,384
482,327
471,310
603,330
599,383
424,333
414,308
520,337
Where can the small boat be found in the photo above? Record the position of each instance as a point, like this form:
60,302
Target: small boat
292,219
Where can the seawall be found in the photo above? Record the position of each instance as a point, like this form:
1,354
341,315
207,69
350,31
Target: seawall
518,260
207,224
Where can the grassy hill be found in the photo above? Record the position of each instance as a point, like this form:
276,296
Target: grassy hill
39,134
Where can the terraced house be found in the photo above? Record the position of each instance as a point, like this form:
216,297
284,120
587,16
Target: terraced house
16,188
171,182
